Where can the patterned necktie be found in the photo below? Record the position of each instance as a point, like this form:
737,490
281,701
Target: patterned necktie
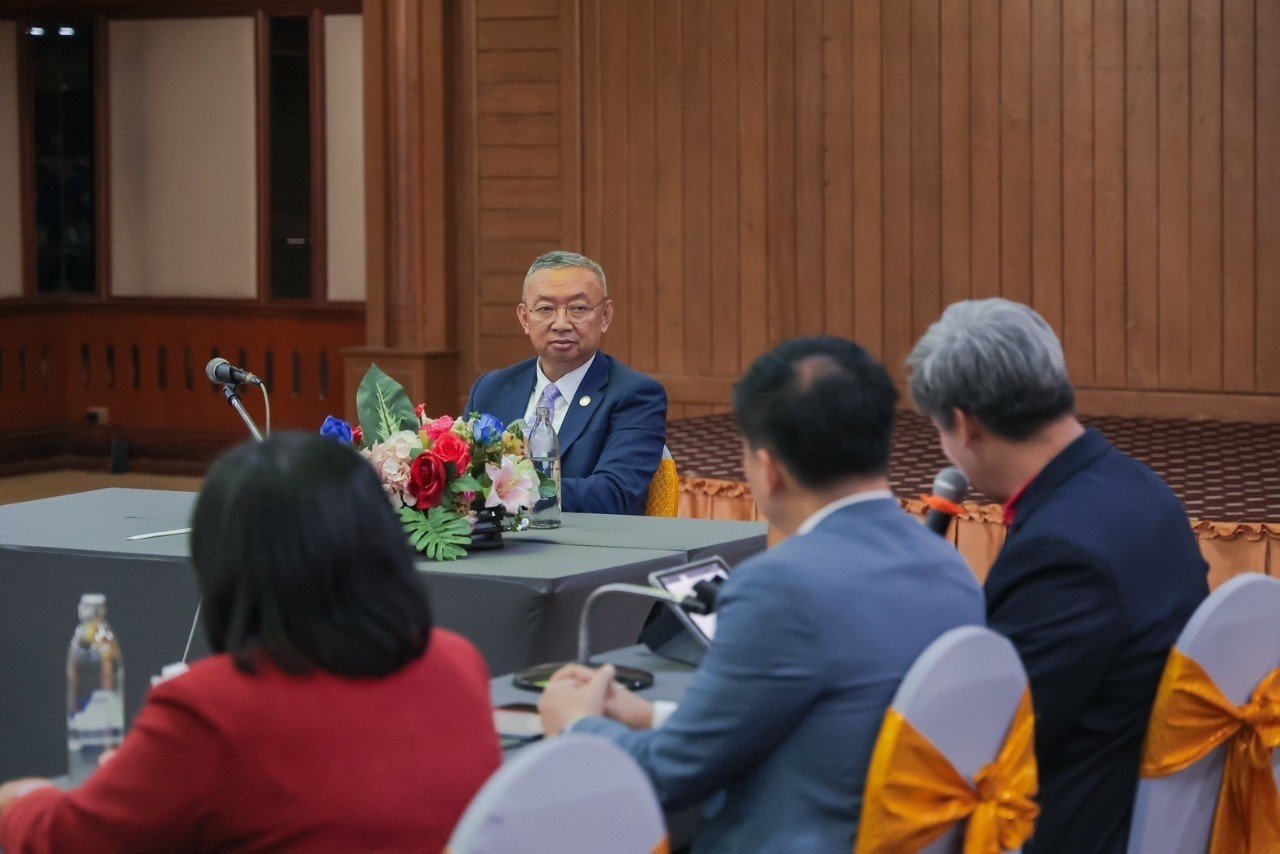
550,395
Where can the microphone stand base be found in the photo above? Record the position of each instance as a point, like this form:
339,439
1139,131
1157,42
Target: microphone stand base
536,678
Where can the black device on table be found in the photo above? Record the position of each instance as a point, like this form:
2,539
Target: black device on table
688,589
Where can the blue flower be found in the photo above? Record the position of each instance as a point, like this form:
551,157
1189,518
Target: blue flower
486,429
336,429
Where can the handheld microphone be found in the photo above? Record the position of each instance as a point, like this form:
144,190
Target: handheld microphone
944,504
221,371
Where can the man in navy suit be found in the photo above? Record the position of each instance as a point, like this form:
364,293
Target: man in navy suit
1098,574
611,420
812,637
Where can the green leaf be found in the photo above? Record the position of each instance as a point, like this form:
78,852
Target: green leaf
547,489
383,407
440,534
466,483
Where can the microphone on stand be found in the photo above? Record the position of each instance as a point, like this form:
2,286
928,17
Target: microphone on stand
949,488
231,378
701,602
221,371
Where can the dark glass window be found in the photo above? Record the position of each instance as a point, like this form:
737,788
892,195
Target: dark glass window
62,88
290,145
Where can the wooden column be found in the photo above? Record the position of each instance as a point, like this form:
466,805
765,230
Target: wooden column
410,314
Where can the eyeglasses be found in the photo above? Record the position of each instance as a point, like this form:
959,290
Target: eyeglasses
577,312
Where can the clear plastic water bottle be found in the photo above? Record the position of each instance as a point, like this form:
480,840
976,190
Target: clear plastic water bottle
544,453
95,690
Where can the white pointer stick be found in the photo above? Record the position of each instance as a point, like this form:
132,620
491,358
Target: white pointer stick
155,534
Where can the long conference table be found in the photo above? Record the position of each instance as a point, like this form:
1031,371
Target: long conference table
519,604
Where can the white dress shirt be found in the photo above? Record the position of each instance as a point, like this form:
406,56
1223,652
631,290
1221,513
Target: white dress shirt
856,498
568,385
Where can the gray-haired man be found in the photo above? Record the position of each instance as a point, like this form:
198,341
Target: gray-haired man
1098,574
611,420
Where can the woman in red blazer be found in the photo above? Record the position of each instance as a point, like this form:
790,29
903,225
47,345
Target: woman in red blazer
332,718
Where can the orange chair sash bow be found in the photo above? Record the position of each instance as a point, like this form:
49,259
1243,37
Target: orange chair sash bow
914,794
1191,718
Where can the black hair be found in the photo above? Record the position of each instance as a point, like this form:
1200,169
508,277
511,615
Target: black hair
300,558
822,406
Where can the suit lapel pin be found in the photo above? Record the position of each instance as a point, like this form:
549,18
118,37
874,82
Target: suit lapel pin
584,401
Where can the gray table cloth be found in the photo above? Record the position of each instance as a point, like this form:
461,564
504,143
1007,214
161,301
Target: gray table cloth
519,605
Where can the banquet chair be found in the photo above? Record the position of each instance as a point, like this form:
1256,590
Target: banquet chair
574,794
664,489
1234,639
962,713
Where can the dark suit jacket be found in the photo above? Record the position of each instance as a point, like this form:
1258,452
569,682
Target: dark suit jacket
1098,575
609,448
812,639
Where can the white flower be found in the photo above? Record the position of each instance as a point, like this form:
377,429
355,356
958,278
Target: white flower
390,459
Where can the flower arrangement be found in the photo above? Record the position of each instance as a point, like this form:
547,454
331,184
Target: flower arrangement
440,474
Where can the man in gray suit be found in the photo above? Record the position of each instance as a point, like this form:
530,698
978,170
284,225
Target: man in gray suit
813,636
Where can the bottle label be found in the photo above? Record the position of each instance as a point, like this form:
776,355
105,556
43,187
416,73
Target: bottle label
100,723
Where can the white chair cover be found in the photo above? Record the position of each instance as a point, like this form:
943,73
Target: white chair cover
961,694
575,794
1235,636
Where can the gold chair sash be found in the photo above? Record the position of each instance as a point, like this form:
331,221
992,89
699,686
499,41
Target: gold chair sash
664,491
1191,718
914,794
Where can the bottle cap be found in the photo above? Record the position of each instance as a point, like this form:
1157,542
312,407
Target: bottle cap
93,599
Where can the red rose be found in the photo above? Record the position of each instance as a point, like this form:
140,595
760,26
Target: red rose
426,481
357,436
452,448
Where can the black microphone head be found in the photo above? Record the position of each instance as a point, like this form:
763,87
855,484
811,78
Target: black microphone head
211,369
950,484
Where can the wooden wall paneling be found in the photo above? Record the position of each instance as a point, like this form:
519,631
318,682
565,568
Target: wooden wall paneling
695,179
669,316
592,132
838,235
515,9
1110,365
926,173
868,189
517,34
1173,171
571,169
808,283
90,363
1015,150
615,188
641,269
1141,196
1238,298
1206,286
515,66
1046,161
726,257
375,194
753,322
748,171
956,134
1268,196
985,124
896,118
1078,180
780,174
